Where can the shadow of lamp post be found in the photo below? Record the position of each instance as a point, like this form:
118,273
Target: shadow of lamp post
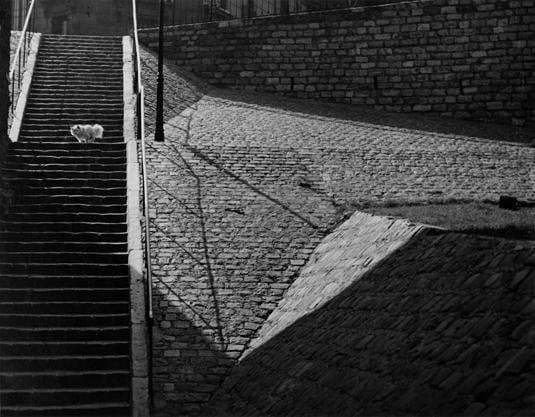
159,133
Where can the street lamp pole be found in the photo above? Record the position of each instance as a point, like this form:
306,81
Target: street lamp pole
159,133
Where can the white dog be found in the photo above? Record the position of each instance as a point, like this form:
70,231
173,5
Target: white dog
87,133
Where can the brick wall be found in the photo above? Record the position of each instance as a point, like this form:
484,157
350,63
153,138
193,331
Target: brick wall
460,58
5,30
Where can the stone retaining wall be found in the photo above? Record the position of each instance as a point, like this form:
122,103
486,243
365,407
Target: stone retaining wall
468,59
5,32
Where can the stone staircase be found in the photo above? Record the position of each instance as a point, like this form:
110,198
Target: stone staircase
64,285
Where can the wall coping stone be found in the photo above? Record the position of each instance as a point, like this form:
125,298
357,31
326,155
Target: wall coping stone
138,333
18,114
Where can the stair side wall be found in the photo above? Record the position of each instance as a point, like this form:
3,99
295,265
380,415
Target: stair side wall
5,32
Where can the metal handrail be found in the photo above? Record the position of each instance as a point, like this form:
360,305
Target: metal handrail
23,41
141,133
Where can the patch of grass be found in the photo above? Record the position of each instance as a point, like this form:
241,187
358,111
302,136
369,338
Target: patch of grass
475,218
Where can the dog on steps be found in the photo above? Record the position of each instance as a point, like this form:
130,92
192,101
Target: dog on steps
87,133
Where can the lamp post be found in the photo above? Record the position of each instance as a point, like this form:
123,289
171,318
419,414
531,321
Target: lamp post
159,134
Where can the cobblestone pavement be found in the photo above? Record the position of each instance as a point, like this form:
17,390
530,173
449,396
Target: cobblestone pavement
246,186
389,319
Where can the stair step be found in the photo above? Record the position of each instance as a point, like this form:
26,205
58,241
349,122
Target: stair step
89,191
66,138
69,119
76,62
61,246
112,409
64,333
58,174
63,307
69,79
38,217
74,100
24,319
69,199
50,397
95,150
38,237
53,95
75,115
46,169
62,227
52,281
69,269
100,258
64,348
62,133
65,363
80,379
71,182
70,208
75,103
62,294
78,84
65,90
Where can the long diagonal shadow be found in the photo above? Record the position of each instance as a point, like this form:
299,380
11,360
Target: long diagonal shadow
197,152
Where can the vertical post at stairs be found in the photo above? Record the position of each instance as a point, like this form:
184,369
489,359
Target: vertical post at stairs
159,133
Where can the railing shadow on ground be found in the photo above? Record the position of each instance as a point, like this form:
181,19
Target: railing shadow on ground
199,251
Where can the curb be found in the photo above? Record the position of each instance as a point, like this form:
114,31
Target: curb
138,333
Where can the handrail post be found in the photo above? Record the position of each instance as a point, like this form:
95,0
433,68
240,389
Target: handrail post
148,267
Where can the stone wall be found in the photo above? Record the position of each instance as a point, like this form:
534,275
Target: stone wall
5,32
467,59
390,319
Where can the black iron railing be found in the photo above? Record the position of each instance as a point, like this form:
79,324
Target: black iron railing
140,104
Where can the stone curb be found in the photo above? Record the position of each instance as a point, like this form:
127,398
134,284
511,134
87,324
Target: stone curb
140,382
25,88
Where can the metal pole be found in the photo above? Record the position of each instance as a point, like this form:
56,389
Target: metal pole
159,133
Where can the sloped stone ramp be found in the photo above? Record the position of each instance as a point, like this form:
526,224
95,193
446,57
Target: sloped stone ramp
392,318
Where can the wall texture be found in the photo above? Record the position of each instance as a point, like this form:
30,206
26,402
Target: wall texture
5,32
468,59
83,17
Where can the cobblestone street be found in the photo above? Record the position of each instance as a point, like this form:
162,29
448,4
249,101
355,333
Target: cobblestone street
244,188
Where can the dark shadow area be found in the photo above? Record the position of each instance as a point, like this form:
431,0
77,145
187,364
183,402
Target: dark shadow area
189,362
365,114
507,232
442,327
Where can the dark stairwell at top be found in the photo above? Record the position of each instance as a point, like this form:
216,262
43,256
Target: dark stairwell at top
64,286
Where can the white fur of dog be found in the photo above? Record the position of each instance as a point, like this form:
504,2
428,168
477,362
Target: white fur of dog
87,133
